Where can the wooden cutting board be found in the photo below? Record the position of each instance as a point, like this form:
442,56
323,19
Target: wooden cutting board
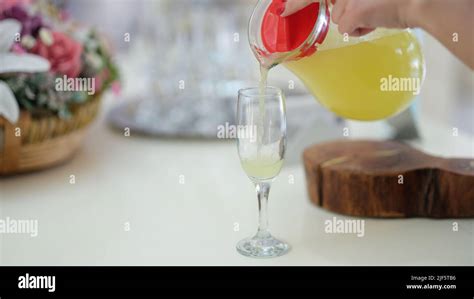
388,179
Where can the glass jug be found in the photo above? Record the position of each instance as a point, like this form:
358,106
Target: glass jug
367,78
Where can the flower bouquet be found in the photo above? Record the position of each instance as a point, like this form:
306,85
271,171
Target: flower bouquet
53,72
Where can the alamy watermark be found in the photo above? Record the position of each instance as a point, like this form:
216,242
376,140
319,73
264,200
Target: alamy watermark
28,281
345,226
228,131
392,83
19,226
75,84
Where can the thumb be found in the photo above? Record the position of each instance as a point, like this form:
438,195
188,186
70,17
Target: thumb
293,6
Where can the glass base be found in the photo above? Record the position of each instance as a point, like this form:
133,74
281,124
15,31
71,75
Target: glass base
265,246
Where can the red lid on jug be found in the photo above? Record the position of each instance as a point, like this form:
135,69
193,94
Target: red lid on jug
285,34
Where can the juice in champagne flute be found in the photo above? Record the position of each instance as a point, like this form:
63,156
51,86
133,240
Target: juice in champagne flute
263,168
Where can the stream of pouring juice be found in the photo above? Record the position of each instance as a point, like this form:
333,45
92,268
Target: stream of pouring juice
262,84
347,78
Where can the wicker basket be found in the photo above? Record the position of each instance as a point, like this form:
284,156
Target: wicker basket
36,143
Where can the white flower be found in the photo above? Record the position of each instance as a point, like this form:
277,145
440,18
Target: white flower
46,36
14,63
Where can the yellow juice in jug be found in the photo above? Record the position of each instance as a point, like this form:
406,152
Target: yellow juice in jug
368,78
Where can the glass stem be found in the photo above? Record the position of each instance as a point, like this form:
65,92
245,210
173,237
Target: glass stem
263,189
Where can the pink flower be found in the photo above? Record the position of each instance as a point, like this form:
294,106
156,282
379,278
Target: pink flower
64,54
116,88
7,4
17,49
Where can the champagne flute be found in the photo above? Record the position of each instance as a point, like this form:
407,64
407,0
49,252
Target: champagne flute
261,143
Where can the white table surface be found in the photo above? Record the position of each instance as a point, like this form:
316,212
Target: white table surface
136,180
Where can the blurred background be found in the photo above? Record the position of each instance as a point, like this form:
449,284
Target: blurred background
183,60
